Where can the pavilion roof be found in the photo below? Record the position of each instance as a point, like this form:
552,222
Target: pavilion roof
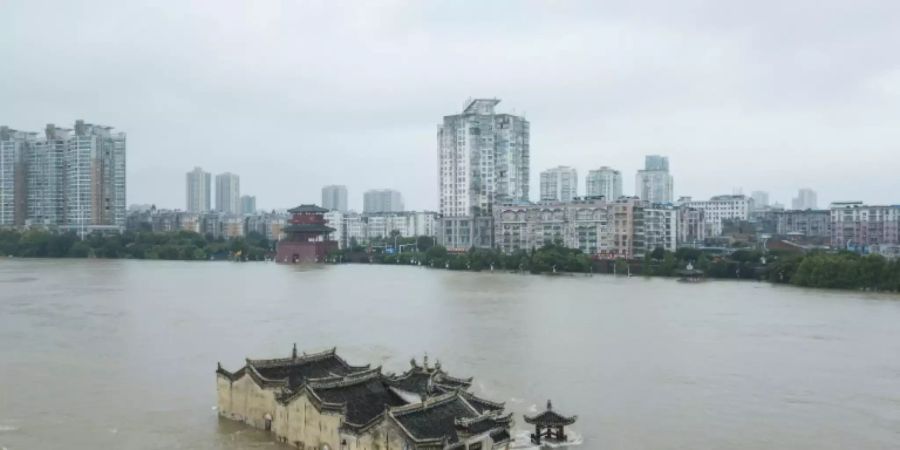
307,209
550,418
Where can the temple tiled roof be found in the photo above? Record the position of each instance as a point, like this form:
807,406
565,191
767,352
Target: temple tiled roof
424,380
363,396
307,209
481,404
550,418
483,423
501,435
435,419
294,370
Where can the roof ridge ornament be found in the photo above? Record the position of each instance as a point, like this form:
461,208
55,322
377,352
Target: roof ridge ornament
549,405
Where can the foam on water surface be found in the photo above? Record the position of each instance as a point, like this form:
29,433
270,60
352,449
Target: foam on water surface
522,440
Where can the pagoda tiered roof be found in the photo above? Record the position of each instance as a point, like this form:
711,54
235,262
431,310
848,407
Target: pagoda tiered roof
550,418
307,208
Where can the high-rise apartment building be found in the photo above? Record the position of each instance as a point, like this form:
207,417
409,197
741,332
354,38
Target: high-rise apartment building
806,199
248,204
382,200
559,184
656,162
605,182
760,199
199,191
483,160
70,180
654,183
46,178
14,147
95,179
334,197
228,193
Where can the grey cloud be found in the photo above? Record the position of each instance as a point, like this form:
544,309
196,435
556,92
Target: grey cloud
293,95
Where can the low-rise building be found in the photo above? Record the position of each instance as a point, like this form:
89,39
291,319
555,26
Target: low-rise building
691,228
580,224
268,224
595,226
661,227
626,220
718,209
365,227
857,226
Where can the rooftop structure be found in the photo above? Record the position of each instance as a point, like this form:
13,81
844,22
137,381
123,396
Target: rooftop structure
320,401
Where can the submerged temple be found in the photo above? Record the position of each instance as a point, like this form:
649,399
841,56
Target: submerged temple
319,401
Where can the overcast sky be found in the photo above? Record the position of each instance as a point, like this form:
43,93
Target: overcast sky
760,95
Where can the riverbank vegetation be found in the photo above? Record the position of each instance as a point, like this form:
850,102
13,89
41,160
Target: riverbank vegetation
841,270
832,270
179,245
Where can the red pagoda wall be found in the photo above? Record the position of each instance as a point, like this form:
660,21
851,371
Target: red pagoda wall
308,218
303,252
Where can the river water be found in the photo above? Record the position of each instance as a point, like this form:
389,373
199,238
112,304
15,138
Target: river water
121,354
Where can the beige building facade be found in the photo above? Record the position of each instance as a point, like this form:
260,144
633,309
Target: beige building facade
319,401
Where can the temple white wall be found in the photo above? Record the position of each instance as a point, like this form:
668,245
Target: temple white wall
245,401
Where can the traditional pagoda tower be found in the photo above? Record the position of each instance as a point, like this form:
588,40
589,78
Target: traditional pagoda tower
307,238
549,425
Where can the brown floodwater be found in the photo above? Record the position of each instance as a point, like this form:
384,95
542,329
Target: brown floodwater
121,354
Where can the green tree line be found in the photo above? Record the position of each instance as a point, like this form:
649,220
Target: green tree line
841,270
178,245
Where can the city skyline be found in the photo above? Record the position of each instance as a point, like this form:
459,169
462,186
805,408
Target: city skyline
750,110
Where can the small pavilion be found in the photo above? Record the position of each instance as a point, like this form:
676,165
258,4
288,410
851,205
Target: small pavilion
549,425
